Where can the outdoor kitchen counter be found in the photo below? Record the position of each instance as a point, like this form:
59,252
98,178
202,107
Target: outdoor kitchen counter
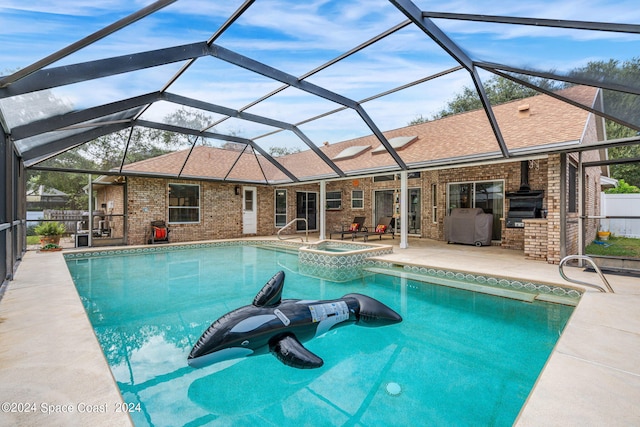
535,239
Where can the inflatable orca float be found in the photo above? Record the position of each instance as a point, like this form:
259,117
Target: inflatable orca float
280,326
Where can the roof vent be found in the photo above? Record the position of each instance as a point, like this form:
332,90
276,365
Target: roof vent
350,152
524,110
398,143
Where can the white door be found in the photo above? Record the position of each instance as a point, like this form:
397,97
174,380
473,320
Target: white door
249,211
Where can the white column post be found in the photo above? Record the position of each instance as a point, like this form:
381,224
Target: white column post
404,211
323,210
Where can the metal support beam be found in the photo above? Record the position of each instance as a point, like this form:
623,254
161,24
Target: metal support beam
275,74
538,22
76,73
45,151
85,42
575,79
449,46
484,99
212,135
253,118
383,140
76,117
324,66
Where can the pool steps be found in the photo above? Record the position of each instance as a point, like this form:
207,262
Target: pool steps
519,295
278,248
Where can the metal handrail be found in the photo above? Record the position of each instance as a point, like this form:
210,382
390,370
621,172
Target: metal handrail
306,230
595,267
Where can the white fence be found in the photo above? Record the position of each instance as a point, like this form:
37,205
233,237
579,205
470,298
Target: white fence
621,205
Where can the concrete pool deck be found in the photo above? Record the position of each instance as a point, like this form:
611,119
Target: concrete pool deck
51,361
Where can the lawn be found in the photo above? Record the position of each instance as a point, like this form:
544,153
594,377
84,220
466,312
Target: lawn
33,240
615,246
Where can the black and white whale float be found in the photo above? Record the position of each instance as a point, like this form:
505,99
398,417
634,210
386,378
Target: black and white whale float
280,326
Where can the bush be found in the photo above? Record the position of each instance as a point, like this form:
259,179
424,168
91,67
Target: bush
50,228
623,188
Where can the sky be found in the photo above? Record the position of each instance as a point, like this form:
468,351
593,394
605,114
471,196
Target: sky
296,37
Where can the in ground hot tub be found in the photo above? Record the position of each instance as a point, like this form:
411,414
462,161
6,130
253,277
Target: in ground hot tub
337,260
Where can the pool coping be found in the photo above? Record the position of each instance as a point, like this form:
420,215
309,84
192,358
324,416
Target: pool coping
591,377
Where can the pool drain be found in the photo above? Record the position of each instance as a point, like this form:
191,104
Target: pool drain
393,389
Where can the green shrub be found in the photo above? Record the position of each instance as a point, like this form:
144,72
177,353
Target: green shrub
623,188
50,228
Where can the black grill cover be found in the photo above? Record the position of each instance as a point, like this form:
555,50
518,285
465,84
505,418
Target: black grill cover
468,225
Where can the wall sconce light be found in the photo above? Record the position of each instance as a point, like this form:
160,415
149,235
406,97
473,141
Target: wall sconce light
237,190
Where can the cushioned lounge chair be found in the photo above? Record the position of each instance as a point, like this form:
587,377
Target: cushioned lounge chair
351,229
159,232
384,227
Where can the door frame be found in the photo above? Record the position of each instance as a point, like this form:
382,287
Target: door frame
313,225
250,217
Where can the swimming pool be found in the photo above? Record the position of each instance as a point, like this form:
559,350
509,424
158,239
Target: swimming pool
458,357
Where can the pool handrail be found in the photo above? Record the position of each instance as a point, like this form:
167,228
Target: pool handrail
295,220
595,267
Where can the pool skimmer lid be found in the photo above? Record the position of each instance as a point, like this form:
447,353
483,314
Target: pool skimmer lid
393,389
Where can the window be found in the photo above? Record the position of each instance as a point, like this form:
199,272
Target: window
281,208
383,178
357,199
573,189
184,203
334,199
434,203
488,195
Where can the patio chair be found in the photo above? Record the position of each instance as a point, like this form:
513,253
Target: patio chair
383,227
159,232
357,225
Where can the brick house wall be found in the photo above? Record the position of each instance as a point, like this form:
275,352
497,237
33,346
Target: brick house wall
221,208
553,197
220,211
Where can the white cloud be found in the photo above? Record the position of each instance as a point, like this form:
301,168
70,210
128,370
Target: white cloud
296,37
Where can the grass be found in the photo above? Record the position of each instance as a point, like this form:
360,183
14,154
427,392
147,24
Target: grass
33,240
616,246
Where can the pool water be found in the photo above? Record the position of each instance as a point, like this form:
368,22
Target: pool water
458,358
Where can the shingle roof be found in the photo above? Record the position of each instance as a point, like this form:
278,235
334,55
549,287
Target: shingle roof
525,123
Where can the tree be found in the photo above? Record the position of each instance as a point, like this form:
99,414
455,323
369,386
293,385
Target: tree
629,172
623,188
622,105
418,120
282,151
498,89
106,152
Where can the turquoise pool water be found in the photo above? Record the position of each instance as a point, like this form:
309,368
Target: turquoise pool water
458,358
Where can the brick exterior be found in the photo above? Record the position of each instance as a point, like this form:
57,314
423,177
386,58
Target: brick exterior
220,211
535,239
221,208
